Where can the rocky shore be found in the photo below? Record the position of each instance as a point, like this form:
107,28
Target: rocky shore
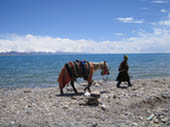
145,104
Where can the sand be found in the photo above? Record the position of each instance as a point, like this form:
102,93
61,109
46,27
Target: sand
146,103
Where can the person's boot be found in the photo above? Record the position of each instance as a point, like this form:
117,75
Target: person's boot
118,84
129,84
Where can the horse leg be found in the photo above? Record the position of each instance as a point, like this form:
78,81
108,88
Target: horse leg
61,91
88,87
72,84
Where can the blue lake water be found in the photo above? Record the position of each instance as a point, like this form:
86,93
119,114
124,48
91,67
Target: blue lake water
43,70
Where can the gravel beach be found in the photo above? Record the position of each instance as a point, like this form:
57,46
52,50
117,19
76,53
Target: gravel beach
145,104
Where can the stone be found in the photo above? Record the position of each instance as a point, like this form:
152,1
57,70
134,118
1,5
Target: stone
151,117
92,101
103,107
87,93
27,91
95,94
114,96
135,124
156,120
94,125
163,118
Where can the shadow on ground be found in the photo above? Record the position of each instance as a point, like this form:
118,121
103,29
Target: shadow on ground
70,94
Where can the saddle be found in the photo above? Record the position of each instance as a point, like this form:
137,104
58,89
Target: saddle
78,68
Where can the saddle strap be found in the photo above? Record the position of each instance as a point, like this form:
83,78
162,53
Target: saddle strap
78,69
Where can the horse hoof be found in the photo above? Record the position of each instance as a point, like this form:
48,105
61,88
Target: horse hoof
61,92
85,89
76,93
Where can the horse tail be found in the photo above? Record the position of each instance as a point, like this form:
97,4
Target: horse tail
64,77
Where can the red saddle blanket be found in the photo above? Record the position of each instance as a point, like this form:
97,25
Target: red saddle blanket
73,70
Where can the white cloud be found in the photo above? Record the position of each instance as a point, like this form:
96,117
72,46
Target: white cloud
119,34
130,20
160,1
163,10
155,42
165,22
145,8
154,23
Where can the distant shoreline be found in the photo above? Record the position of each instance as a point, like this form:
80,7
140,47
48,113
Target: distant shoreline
14,53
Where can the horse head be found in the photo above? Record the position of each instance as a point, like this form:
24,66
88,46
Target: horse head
105,69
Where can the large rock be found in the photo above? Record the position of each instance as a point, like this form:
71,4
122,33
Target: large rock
92,99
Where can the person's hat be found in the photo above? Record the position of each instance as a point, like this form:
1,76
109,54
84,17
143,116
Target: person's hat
125,57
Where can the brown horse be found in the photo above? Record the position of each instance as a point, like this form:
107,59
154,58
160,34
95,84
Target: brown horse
80,69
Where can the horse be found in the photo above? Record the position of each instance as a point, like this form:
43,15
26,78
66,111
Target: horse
80,69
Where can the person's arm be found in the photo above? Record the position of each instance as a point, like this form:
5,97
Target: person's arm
121,69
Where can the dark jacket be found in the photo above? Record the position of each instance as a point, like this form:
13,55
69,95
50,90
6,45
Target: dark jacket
123,72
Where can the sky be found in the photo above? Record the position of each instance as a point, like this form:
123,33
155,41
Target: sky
85,26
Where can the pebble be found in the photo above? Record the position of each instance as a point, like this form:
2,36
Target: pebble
105,106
